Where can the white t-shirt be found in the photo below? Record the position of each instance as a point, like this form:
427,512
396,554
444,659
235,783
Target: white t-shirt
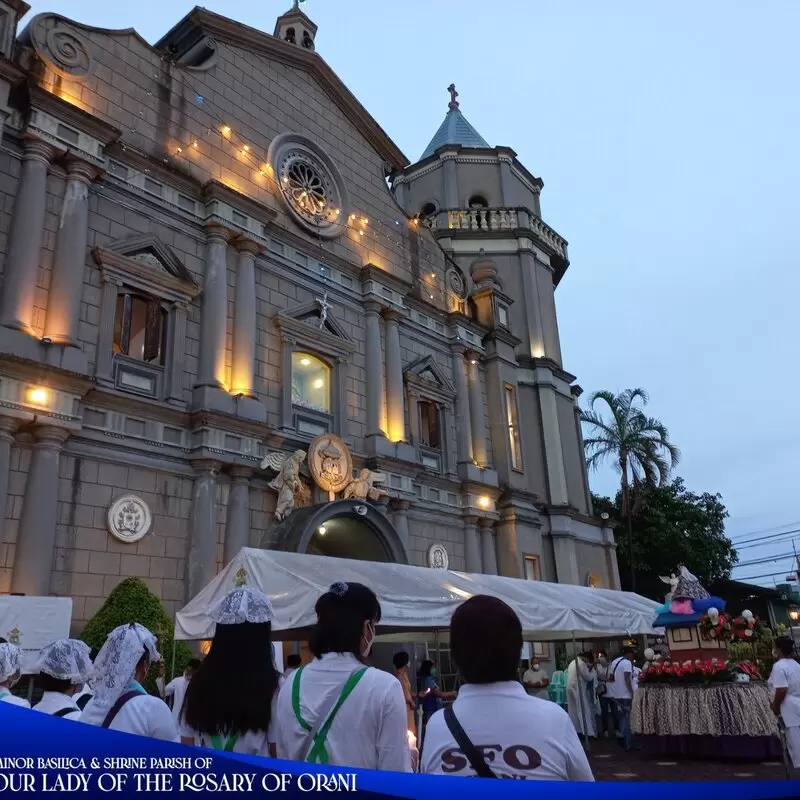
786,675
369,730
143,715
7,697
177,689
52,702
252,743
618,688
536,676
520,736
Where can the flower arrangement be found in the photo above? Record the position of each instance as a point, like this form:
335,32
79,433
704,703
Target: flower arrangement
696,672
715,626
745,627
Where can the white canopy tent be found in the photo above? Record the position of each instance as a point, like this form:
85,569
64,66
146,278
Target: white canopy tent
416,601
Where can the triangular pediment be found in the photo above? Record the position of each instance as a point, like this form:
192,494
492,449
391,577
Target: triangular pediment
151,252
314,325
427,371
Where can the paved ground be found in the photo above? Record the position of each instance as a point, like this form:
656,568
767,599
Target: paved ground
611,763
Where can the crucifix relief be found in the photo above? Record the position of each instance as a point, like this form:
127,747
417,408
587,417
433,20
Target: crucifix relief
324,306
453,94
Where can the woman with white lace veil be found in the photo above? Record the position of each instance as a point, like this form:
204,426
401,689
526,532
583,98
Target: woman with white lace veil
9,674
120,702
230,700
63,666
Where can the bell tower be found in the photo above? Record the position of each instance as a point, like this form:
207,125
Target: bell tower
296,28
483,206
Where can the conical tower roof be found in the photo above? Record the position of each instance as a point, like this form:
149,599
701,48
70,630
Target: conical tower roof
455,130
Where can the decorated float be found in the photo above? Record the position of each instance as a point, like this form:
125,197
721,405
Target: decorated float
695,700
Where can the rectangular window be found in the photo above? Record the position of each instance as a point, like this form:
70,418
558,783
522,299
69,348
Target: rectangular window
67,134
118,169
140,327
531,566
240,219
186,203
502,315
429,425
513,427
154,187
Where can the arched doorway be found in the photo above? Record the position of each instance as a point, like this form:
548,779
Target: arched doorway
341,529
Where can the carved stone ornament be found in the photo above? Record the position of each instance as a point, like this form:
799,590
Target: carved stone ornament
60,46
129,518
292,492
330,463
438,557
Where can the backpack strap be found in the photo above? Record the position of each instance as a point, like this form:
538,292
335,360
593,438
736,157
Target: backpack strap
225,744
83,701
117,707
62,712
476,760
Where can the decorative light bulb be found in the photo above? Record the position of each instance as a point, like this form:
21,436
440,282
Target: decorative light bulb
226,131
246,148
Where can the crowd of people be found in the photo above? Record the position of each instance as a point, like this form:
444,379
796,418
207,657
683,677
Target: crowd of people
338,710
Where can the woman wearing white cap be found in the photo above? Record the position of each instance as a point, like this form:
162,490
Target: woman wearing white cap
64,666
120,702
230,700
9,674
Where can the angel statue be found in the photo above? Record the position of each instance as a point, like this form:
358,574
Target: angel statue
672,582
363,487
287,482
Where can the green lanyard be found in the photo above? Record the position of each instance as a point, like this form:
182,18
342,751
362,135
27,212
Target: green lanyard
318,753
227,745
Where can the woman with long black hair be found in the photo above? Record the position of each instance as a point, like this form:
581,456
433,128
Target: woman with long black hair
229,702
337,710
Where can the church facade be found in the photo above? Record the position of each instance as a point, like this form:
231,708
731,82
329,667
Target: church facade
234,314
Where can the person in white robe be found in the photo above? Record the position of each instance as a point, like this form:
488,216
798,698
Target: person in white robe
120,702
580,694
784,687
64,667
176,688
230,699
10,674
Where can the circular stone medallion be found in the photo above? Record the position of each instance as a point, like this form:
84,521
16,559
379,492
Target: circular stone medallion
437,557
330,463
129,518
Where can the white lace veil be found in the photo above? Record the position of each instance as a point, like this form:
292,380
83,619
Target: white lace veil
244,604
116,662
9,661
67,660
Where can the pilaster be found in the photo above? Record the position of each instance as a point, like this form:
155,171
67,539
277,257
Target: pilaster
237,525
462,405
477,414
25,238
33,557
201,561
472,545
400,508
8,426
395,410
211,372
374,364
488,551
244,321
108,309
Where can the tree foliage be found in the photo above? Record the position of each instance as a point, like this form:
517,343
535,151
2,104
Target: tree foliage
132,601
671,526
638,446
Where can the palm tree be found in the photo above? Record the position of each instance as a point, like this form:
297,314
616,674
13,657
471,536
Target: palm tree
638,445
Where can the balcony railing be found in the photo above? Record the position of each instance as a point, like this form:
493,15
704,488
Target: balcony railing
492,220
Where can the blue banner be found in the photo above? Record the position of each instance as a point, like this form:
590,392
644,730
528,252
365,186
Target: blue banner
41,755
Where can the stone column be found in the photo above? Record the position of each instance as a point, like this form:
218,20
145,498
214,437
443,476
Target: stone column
400,519
477,413
488,552
244,319
395,409
25,238
450,177
66,285
201,563
7,427
33,557
463,430
237,525
177,365
472,545
105,338
214,322
374,363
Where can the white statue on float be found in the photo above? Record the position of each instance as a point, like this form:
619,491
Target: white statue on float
363,487
292,492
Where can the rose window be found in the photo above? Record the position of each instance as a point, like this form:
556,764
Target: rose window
310,184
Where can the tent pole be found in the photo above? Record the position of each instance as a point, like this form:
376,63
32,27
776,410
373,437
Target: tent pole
174,648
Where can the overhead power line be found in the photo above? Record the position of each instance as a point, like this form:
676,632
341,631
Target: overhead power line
775,538
763,560
757,533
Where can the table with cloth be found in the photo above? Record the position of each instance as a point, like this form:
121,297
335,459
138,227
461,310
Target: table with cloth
731,720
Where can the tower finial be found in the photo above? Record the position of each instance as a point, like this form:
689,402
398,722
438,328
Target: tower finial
453,94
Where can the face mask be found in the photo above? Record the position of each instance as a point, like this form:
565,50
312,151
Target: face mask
535,667
370,640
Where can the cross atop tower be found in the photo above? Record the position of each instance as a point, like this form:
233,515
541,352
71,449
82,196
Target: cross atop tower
453,94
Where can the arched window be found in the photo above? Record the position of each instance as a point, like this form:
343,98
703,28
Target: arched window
290,37
140,326
311,382
478,201
428,210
